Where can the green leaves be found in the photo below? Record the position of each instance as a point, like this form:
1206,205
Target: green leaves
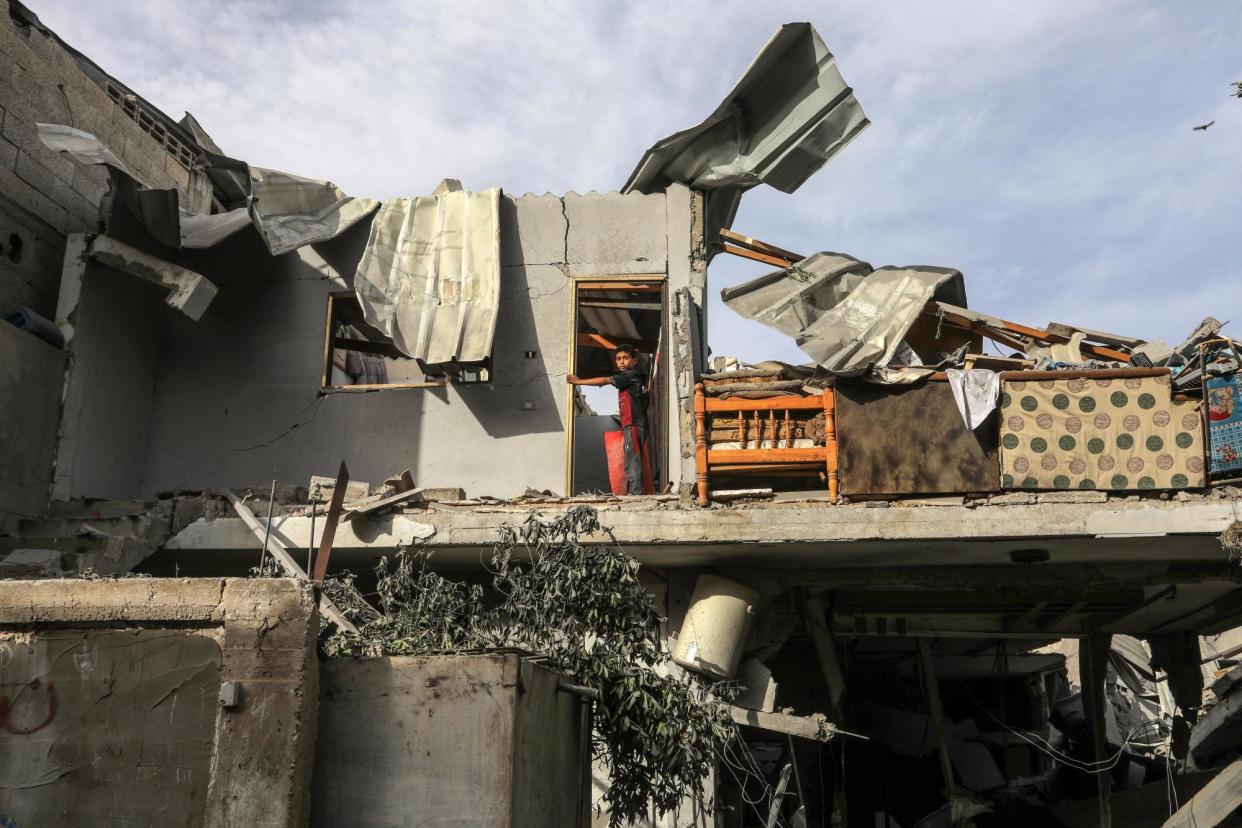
582,607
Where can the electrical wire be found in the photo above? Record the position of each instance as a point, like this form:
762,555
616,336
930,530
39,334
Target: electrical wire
1045,747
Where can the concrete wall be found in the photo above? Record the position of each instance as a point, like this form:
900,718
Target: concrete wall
482,740
31,374
102,447
45,196
110,702
236,395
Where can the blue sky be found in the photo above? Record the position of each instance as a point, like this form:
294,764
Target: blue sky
1044,149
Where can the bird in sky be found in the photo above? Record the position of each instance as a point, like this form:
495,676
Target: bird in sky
1203,126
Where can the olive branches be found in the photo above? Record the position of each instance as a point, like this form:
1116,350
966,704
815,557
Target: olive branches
582,608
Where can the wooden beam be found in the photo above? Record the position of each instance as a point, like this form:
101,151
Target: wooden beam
992,327
610,343
792,403
810,455
631,287
328,609
616,304
753,255
760,246
330,524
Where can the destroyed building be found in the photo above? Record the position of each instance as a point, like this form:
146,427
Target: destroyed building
1023,612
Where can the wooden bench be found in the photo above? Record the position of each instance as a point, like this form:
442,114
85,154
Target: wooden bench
776,427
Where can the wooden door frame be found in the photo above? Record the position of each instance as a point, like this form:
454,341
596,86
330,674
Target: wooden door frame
575,284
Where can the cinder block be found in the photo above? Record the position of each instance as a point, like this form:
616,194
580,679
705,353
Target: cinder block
37,204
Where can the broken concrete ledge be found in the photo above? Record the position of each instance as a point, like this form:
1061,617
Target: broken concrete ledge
801,533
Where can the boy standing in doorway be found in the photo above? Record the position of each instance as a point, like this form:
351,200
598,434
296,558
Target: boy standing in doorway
631,384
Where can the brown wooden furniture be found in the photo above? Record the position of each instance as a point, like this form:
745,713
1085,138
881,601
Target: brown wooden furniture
764,420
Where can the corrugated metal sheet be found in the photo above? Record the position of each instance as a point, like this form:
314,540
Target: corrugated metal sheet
789,114
291,211
430,275
288,211
847,317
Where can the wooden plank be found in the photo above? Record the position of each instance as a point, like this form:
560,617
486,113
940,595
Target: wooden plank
766,404
1212,805
385,503
612,304
1103,373
633,287
760,246
329,526
770,468
328,609
376,387
753,255
983,323
610,343
810,455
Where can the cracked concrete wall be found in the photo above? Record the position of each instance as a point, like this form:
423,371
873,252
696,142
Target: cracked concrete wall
110,711
235,396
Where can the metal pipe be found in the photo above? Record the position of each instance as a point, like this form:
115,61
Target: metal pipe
578,690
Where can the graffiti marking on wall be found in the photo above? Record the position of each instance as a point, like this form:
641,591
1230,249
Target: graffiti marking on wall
40,700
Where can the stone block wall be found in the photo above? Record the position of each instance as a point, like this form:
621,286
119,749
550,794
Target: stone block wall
45,196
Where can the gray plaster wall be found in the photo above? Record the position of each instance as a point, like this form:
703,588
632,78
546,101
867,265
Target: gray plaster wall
45,196
115,355
31,375
236,399
480,741
110,702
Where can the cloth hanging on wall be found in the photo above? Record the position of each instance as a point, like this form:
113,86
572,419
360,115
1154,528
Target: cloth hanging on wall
1110,434
975,393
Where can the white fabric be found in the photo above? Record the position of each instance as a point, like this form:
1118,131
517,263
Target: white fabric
975,392
430,275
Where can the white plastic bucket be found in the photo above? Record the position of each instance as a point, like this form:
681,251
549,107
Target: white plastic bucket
716,625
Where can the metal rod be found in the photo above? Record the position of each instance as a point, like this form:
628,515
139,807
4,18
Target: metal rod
271,503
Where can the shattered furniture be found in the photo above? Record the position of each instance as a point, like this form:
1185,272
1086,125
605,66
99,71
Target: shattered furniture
768,436
1119,429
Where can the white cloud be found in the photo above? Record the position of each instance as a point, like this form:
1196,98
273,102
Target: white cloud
1042,148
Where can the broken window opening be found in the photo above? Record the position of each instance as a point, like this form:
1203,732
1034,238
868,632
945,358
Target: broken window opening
359,357
607,312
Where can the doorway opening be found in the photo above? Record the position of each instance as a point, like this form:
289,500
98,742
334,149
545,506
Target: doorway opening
606,312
